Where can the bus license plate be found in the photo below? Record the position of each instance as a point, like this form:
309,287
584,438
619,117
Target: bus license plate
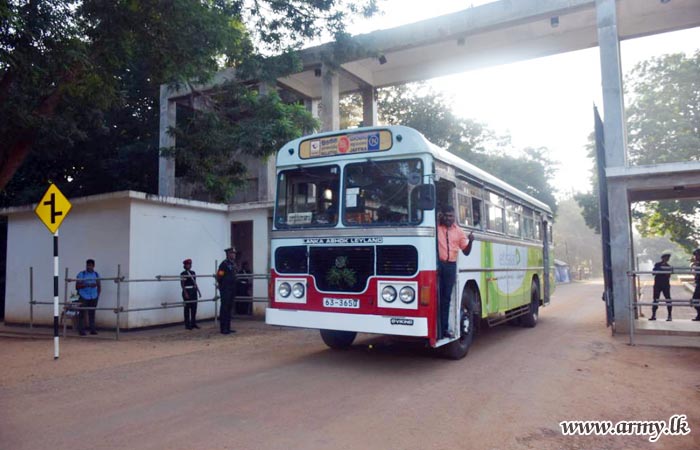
341,303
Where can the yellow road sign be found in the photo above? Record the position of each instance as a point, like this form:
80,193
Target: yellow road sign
53,208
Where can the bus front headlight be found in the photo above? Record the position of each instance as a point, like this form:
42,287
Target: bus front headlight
298,290
389,294
407,294
284,289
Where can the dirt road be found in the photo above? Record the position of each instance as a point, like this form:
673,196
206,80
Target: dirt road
272,388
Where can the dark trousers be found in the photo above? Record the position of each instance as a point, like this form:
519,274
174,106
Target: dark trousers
190,310
447,275
696,300
227,296
658,290
89,313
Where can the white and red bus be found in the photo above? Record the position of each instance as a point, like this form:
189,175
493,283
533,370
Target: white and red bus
354,242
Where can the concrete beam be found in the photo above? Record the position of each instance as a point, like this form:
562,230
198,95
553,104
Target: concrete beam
495,33
679,180
298,84
359,73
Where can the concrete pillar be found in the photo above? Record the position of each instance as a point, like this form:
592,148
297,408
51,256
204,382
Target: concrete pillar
166,165
312,106
265,167
616,156
369,107
330,100
265,88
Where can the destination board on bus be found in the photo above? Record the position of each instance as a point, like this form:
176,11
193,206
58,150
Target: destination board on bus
340,144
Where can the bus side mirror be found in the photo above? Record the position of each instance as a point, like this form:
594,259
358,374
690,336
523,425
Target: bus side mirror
424,196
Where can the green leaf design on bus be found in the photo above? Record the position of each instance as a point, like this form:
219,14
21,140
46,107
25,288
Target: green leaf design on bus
340,275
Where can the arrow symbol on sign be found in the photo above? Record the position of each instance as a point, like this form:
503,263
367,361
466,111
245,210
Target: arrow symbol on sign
52,203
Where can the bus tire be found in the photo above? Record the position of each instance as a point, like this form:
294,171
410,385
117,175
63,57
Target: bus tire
469,319
529,320
338,340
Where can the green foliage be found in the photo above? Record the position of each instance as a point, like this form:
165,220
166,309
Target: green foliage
662,120
574,242
432,115
80,79
212,142
340,275
530,170
677,219
663,127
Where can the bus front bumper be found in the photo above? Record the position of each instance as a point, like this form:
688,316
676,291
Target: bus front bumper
362,323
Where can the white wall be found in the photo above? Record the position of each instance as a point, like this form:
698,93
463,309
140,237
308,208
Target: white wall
162,236
97,230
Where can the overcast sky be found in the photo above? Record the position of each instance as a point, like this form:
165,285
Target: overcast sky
545,102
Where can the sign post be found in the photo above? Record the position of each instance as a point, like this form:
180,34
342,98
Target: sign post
52,209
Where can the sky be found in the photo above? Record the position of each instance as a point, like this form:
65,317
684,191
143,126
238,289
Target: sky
556,109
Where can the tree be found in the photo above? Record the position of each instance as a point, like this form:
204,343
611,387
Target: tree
574,241
211,142
530,170
80,80
663,127
429,112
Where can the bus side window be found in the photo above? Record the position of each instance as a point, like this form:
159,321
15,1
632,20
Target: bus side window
476,212
464,204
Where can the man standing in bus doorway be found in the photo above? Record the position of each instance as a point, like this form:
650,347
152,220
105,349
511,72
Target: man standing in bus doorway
226,280
451,239
662,284
190,294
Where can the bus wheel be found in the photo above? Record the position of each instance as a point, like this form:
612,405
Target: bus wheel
338,340
469,318
529,320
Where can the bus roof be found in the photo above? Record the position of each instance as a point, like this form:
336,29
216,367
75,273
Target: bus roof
412,142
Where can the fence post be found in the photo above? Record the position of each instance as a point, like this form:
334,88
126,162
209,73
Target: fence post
119,284
65,300
216,299
633,310
31,297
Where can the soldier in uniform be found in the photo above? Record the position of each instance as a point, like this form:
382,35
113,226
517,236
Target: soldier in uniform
190,293
662,285
226,280
696,294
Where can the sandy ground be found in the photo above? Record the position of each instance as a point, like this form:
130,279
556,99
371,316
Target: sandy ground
273,388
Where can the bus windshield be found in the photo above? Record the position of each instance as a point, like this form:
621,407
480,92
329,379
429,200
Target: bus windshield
382,193
308,197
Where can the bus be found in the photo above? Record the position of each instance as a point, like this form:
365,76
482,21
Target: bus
354,248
